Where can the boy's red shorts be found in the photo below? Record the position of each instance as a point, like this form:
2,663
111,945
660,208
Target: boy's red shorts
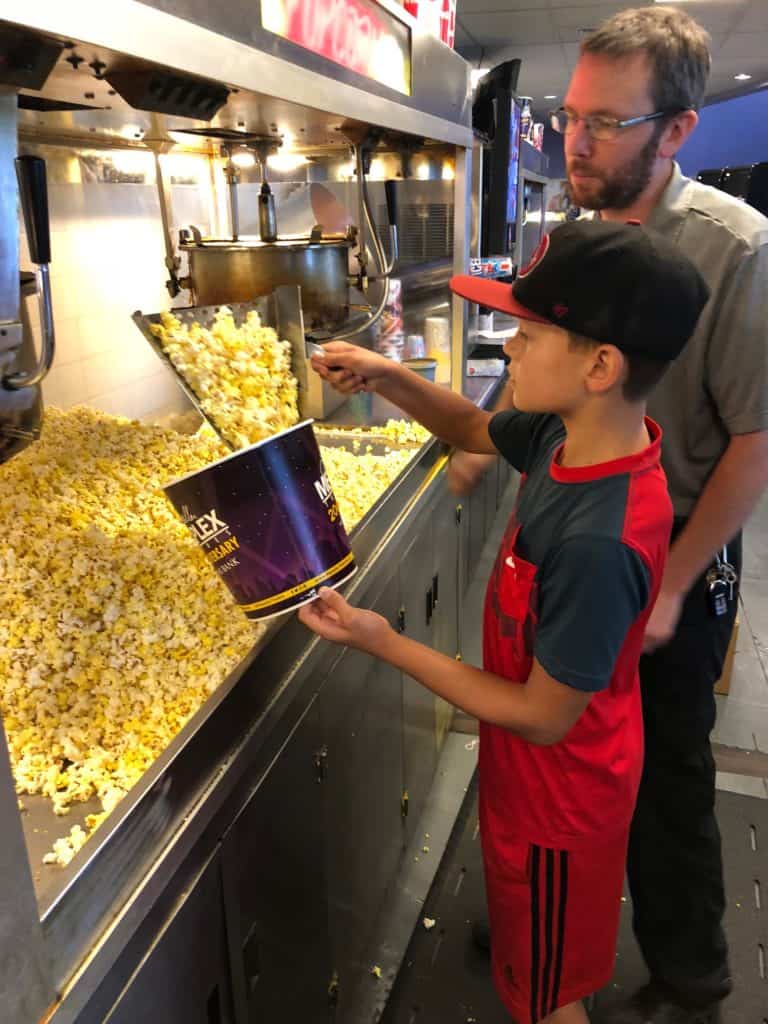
554,917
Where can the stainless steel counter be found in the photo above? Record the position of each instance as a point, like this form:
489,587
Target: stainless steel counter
92,908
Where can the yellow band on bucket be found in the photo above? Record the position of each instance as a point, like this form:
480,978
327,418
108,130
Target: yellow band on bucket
300,588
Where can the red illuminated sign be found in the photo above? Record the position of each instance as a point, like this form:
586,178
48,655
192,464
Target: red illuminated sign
357,34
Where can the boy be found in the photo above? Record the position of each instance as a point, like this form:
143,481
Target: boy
603,308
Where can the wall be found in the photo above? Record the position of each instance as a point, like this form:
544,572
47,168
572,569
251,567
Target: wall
107,260
731,133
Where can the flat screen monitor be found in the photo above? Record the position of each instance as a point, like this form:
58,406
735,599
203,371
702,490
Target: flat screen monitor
514,161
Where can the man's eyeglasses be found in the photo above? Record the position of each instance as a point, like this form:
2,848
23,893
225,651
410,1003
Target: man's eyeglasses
601,126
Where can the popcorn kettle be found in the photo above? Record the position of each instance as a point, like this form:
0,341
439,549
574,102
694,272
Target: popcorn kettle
21,369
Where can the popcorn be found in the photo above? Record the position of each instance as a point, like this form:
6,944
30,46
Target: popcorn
398,431
404,432
114,629
241,375
65,849
358,481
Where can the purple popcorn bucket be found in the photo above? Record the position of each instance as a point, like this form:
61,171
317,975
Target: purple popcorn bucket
268,522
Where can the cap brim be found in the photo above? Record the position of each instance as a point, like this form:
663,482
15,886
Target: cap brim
494,295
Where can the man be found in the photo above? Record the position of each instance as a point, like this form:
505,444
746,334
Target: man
630,106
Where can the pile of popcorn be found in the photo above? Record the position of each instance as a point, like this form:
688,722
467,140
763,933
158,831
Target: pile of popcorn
114,628
241,375
359,480
398,431
404,432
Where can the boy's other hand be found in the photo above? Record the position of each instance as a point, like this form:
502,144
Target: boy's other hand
333,618
350,368
663,620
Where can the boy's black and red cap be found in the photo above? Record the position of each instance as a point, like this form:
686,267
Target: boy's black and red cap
622,284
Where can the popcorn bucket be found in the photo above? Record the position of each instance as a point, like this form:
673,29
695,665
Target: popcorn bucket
268,522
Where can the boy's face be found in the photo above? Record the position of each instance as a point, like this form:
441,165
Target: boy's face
547,375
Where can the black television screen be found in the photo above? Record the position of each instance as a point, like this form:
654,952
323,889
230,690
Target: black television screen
514,161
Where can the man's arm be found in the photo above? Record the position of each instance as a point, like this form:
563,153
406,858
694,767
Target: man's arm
451,417
731,493
541,710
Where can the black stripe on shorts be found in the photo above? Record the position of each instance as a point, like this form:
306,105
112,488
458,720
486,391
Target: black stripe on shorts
549,897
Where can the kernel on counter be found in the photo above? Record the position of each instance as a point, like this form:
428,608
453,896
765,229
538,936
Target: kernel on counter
241,375
114,628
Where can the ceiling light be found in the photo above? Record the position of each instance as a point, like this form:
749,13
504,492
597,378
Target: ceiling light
422,171
243,158
131,161
742,77
286,161
554,97
449,171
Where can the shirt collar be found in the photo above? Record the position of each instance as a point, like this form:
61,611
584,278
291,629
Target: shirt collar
669,213
648,458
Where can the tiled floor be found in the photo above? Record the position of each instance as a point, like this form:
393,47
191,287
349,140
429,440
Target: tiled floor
742,716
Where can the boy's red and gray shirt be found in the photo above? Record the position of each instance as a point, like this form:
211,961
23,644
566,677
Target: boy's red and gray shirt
574,582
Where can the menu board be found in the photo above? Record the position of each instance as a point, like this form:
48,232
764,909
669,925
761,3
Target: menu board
357,34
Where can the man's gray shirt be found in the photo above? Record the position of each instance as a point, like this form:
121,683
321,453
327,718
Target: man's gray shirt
718,387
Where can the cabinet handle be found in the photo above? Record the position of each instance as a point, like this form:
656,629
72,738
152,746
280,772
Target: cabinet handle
213,1006
321,764
404,804
333,989
429,605
401,621
435,589
459,509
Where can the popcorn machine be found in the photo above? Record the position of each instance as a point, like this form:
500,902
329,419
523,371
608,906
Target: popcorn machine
153,739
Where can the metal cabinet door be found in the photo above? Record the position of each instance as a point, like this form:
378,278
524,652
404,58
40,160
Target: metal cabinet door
476,526
445,595
361,709
275,889
464,514
184,978
419,732
491,495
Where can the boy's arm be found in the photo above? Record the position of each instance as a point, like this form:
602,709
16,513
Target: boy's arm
451,417
466,469
541,710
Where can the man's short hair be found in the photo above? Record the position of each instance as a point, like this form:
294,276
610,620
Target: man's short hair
676,46
643,373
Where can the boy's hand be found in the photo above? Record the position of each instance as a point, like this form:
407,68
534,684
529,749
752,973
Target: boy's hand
333,618
350,368
663,620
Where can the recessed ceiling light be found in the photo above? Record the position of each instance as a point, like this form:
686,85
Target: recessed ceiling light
742,77
553,97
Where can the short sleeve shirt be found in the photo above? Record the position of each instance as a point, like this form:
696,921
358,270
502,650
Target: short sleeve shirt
718,387
591,542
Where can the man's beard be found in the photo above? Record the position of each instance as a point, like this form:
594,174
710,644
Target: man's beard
624,185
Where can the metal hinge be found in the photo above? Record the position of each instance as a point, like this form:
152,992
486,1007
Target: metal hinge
404,804
459,509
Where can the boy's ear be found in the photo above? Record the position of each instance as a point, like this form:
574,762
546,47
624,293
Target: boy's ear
606,369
